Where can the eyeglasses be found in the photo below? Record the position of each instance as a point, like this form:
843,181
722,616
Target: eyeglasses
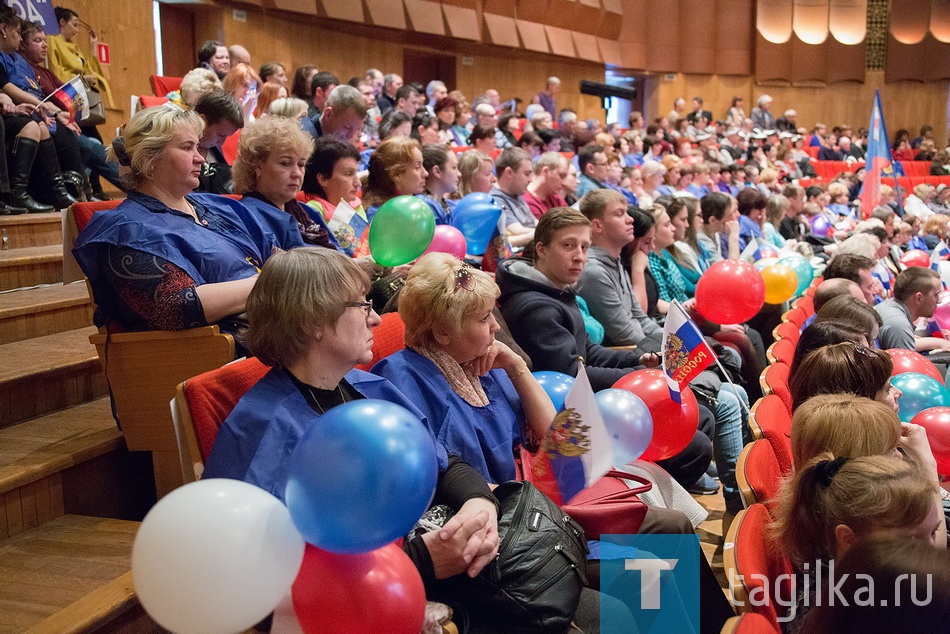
366,306
464,278
600,164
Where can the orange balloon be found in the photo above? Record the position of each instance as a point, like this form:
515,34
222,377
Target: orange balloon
780,283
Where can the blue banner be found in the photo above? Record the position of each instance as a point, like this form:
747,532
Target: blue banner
39,11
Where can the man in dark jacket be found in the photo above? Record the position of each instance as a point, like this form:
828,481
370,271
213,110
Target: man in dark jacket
539,304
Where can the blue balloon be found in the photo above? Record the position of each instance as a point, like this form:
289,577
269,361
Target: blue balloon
918,392
476,216
361,476
628,422
556,384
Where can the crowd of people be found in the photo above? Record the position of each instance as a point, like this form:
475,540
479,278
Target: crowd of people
592,251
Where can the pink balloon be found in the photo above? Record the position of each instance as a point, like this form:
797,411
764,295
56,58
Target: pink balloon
942,315
447,239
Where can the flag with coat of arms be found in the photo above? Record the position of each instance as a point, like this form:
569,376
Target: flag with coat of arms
576,451
73,96
685,352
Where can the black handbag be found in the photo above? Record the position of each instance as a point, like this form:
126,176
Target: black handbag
535,583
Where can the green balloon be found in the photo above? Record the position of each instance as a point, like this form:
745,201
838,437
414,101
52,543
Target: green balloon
803,269
401,231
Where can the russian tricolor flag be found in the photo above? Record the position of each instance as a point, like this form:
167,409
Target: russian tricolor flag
577,449
685,351
73,95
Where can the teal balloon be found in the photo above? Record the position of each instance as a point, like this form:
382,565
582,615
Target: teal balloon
803,269
918,392
401,231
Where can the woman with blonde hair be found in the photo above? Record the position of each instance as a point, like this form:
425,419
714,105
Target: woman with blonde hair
478,394
395,169
167,259
269,169
935,230
831,502
288,107
196,83
477,173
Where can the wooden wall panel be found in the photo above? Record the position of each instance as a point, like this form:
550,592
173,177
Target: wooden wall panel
462,21
773,62
425,16
906,104
844,62
586,46
633,34
533,36
734,37
808,62
341,10
532,10
663,47
303,7
524,77
127,28
697,41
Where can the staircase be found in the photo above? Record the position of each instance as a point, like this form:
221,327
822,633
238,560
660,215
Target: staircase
69,490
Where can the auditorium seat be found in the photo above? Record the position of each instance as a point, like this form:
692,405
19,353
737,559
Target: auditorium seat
755,567
749,623
758,473
201,405
388,337
774,380
162,85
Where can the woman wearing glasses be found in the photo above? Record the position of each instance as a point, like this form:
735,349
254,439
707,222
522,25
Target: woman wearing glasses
309,319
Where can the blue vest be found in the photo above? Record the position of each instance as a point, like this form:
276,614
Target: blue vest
256,441
236,248
484,437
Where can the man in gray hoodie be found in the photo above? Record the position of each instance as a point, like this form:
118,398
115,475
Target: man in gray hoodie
604,284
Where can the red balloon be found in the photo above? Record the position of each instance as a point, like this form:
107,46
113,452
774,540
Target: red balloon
674,424
730,292
916,257
378,591
910,361
936,421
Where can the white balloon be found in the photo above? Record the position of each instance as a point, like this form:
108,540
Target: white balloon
215,556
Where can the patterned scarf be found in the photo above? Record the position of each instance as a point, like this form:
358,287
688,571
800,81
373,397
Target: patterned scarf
461,378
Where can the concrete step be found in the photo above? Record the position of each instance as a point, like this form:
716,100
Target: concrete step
31,230
31,266
34,312
48,373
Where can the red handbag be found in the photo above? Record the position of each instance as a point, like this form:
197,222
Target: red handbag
609,506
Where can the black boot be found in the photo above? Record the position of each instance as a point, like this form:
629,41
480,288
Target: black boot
50,176
21,161
7,208
74,185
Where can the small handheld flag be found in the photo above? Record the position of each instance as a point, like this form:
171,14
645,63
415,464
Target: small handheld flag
577,450
73,96
685,352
